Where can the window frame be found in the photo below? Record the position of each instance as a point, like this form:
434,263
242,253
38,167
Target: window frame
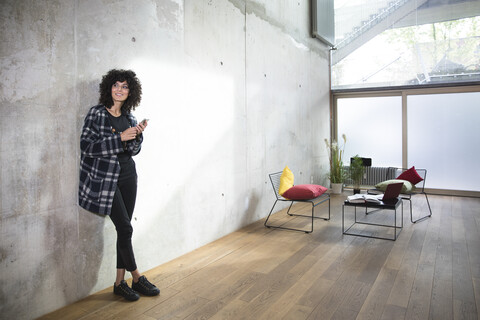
404,92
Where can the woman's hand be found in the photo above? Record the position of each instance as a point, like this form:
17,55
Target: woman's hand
129,134
141,127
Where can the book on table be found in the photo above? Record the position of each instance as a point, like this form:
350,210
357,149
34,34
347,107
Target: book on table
362,198
389,197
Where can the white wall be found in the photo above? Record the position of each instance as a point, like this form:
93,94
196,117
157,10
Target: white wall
234,90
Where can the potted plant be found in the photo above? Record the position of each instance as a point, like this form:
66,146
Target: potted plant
356,172
337,171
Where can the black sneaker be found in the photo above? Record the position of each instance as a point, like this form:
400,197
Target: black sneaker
145,287
125,291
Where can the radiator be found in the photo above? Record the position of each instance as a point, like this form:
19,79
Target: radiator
372,175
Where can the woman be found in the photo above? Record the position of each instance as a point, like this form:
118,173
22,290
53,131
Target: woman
108,179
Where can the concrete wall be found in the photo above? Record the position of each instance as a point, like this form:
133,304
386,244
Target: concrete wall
234,90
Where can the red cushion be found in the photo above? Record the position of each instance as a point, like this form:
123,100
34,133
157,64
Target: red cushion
304,192
411,175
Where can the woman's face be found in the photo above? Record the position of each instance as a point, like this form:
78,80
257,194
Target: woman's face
120,91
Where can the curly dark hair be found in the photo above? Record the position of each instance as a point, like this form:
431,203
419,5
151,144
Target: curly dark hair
134,86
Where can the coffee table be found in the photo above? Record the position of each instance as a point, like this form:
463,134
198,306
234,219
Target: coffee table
393,206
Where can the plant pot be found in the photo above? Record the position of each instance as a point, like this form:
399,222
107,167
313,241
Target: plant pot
355,191
337,188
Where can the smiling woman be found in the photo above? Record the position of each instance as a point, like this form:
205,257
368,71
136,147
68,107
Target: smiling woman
120,92
108,177
114,78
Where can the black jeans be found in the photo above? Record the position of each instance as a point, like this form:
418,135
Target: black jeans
121,215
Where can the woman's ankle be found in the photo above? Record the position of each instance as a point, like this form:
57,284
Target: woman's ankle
135,275
119,276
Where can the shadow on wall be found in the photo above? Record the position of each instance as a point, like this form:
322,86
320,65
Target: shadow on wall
90,251
50,249
91,226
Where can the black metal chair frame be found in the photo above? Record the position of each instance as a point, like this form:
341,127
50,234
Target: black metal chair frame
393,173
275,180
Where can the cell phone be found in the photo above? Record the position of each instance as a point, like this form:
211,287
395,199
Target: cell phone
144,121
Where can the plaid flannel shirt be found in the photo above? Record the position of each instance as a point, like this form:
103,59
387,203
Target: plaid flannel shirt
99,166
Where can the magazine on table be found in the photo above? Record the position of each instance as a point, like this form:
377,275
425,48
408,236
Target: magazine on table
362,198
390,196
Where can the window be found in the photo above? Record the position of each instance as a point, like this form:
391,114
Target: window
373,126
443,136
405,43
437,131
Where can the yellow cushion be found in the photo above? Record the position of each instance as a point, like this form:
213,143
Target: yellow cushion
286,180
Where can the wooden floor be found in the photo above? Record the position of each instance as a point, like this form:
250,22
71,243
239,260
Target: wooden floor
432,271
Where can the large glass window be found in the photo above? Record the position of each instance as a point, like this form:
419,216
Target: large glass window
443,136
387,43
373,127
437,131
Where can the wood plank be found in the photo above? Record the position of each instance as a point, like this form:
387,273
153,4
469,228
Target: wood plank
319,289
402,287
225,295
296,313
309,287
342,314
377,298
393,312
330,302
178,306
396,255
274,291
233,310
464,310
204,278
354,301
476,286
375,262
276,274
464,306
441,306
472,235
348,256
420,297
271,288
